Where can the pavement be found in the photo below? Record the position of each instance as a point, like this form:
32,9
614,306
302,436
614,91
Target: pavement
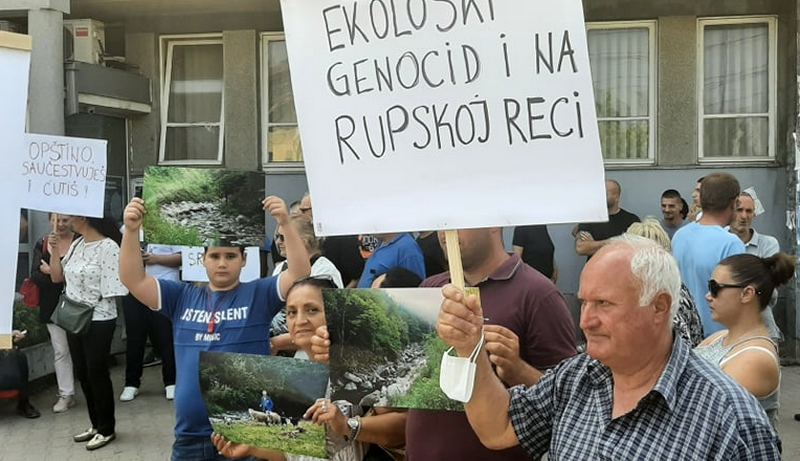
144,426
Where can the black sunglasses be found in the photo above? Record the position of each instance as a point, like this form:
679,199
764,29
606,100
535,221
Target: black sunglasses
714,287
279,238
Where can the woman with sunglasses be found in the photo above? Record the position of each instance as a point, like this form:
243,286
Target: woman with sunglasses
740,288
348,435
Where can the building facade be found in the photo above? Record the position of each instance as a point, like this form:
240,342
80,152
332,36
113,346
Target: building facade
683,88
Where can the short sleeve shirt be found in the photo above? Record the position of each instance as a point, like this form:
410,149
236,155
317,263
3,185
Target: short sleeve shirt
537,248
523,300
241,319
617,224
91,271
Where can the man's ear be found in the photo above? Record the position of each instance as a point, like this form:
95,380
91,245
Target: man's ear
663,305
244,258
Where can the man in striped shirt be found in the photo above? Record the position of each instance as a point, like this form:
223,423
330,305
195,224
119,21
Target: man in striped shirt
636,393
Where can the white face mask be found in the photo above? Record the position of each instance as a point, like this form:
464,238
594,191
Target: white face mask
457,374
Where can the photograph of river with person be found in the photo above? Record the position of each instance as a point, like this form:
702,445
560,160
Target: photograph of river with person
384,348
196,206
260,400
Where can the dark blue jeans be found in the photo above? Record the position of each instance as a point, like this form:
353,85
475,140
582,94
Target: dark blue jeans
196,449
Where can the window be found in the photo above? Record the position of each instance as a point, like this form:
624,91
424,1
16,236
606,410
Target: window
623,60
736,84
192,101
280,136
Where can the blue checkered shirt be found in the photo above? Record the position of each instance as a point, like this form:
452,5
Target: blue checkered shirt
694,412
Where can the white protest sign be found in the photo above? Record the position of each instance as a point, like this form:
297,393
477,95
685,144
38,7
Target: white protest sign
443,114
192,269
15,59
64,175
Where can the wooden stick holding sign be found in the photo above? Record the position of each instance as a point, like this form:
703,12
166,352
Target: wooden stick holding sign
454,263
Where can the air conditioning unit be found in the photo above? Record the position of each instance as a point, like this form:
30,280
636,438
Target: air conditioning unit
88,40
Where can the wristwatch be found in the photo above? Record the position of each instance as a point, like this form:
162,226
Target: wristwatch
354,424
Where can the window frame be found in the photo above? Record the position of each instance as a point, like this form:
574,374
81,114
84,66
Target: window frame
772,81
281,167
166,47
652,35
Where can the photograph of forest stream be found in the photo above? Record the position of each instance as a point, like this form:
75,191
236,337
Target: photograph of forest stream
233,386
384,348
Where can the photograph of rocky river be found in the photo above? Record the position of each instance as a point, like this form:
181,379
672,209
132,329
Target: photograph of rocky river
384,348
198,206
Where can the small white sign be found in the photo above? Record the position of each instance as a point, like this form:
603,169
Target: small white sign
64,175
193,270
446,114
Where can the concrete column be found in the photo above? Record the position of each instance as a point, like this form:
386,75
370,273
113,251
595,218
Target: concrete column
46,87
46,93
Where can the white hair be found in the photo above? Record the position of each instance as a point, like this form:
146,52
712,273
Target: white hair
655,270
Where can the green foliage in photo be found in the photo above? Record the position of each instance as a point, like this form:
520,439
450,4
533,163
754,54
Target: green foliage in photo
309,443
425,392
26,318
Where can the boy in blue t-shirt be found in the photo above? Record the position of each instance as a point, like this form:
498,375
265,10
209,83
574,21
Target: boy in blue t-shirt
226,316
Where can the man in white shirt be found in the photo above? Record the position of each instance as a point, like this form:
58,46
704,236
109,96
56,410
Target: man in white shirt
756,244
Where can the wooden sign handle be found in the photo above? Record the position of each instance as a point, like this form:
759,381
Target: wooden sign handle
454,258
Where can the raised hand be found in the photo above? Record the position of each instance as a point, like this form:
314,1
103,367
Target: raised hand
134,214
321,345
276,207
460,323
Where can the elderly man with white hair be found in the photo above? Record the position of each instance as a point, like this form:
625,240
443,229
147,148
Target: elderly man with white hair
637,393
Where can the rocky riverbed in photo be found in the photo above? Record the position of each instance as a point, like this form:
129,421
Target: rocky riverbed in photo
209,220
376,385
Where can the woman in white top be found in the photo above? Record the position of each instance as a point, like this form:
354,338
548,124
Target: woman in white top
739,290
320,267
91,272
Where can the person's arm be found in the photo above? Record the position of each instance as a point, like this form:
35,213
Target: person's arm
131,267
518,250
39,265
56,268
296,254
388,428
586,245
755,371
460,325
281,343
173,260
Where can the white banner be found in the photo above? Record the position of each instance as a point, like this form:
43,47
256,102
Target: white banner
192,269
422,114
15,59
63,175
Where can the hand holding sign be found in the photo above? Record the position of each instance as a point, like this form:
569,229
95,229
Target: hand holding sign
460,320
321,345
134,214
277,208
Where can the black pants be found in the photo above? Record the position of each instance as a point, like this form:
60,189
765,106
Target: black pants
14,372
90,360
141,321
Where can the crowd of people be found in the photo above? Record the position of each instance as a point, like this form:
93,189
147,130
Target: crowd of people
678,357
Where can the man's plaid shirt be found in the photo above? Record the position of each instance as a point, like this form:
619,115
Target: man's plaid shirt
694,412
